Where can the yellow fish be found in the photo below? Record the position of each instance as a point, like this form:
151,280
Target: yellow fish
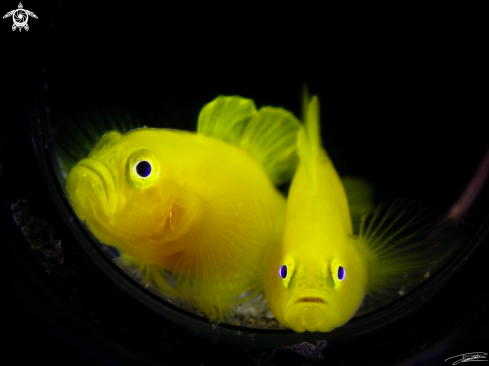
201,205
319,275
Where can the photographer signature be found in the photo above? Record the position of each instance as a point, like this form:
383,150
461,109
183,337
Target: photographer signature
467,357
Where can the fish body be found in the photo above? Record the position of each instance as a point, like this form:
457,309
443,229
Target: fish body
318,276
190,203
317,240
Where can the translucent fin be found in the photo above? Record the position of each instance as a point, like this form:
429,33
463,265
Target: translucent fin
309,139
360,196
312,123
405,243
269,135
222,264
250,299
225,118
152,274
254,293
75,137
226,262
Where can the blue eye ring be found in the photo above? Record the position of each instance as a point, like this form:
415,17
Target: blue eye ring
341,273
143,168
282,271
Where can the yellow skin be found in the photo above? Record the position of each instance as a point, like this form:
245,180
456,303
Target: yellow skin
205,211
317,239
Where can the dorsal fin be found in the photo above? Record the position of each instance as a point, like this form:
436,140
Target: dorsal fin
309,138
268,135
225,118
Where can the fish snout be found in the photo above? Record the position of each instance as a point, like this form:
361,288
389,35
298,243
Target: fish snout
91,186
311,282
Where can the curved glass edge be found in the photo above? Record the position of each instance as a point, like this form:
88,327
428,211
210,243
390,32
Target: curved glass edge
233,333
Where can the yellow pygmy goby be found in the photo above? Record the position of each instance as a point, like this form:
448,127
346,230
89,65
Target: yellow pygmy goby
201,205
306,285
318,277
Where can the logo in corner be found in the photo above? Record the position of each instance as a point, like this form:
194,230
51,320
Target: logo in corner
20,17
467,357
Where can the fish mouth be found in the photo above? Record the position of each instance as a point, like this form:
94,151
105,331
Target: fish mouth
311,311
88,180
310,299
305,299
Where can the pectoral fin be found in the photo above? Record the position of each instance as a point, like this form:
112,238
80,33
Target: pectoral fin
360,196
404,243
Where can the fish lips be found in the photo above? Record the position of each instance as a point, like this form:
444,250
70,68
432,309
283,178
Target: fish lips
310,310
90,180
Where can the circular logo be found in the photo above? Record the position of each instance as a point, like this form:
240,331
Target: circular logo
20,17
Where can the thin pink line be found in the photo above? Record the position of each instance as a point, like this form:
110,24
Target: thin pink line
472,190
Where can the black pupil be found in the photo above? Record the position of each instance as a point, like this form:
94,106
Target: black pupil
143,168
283,271
341,272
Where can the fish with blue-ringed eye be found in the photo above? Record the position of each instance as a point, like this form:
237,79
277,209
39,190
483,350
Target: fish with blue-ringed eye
199,205
318,276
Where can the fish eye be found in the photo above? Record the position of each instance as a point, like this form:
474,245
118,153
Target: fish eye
286,270
337,272
143,168
341,273
282,271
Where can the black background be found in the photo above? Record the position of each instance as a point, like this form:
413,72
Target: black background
402,104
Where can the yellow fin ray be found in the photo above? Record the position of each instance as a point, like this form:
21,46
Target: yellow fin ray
403,241
268,135
225,118
309,145
152,274
212,273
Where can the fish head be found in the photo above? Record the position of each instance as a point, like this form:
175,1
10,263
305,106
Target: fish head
315,290
124,190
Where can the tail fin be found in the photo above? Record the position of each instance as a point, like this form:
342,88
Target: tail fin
268,135
309,143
